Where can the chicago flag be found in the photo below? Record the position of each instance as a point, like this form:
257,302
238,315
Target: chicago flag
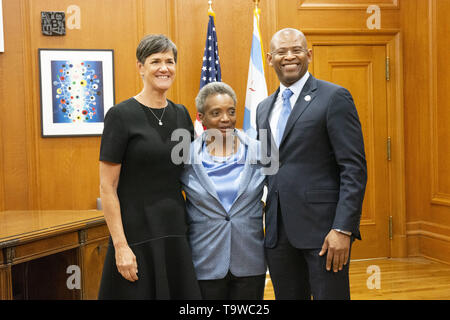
256,83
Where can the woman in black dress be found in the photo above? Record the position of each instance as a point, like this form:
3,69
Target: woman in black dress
148,255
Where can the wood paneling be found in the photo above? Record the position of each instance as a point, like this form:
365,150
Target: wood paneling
68,167
13,103
62,173
346,5
335,14
426,73
440,95
361,69
414,15
157,16
2,158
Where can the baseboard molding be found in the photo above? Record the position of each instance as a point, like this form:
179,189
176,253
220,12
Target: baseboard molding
437,260
429,240
429,229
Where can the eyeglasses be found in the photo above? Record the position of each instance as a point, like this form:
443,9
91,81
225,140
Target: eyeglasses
297,51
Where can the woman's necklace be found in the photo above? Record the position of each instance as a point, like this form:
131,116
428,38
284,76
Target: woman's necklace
162,115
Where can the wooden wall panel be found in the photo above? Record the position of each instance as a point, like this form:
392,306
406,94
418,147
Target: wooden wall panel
440,28
62,173
157,16
68,167
335,14
2,159
13,123
426,75
415,26
349,4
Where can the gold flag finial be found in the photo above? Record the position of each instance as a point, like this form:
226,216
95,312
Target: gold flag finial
256,3
210,10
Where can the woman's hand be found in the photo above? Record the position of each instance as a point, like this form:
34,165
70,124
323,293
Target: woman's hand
125,258
126,263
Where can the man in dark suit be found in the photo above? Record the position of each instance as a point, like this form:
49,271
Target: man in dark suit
314,201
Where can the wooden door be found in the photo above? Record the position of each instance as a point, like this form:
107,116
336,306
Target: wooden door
362,70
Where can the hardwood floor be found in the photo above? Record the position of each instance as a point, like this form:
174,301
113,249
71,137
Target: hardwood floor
394,279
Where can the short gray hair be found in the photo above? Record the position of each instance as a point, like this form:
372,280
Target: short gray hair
154,43
212,89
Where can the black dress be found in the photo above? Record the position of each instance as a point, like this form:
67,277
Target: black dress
151,203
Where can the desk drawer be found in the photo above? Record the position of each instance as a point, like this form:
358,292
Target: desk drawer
39,248
95,233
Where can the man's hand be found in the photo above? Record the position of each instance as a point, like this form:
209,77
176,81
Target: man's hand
338,246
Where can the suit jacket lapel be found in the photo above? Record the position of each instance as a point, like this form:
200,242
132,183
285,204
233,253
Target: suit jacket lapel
301,105
246,173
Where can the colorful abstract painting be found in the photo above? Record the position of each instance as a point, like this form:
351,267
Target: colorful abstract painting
77,91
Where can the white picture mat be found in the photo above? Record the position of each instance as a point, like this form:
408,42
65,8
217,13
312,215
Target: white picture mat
2,42
61,129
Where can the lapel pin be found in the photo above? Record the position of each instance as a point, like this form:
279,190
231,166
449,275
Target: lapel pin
308,98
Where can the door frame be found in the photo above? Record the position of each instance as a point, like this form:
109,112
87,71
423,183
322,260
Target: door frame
391,39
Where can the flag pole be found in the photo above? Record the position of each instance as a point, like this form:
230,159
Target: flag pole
211,71
257,12
256,82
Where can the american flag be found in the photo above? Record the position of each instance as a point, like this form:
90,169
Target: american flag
211,64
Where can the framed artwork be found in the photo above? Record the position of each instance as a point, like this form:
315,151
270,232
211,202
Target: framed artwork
2,42
77,89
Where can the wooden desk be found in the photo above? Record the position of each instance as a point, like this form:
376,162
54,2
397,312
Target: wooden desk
37,247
